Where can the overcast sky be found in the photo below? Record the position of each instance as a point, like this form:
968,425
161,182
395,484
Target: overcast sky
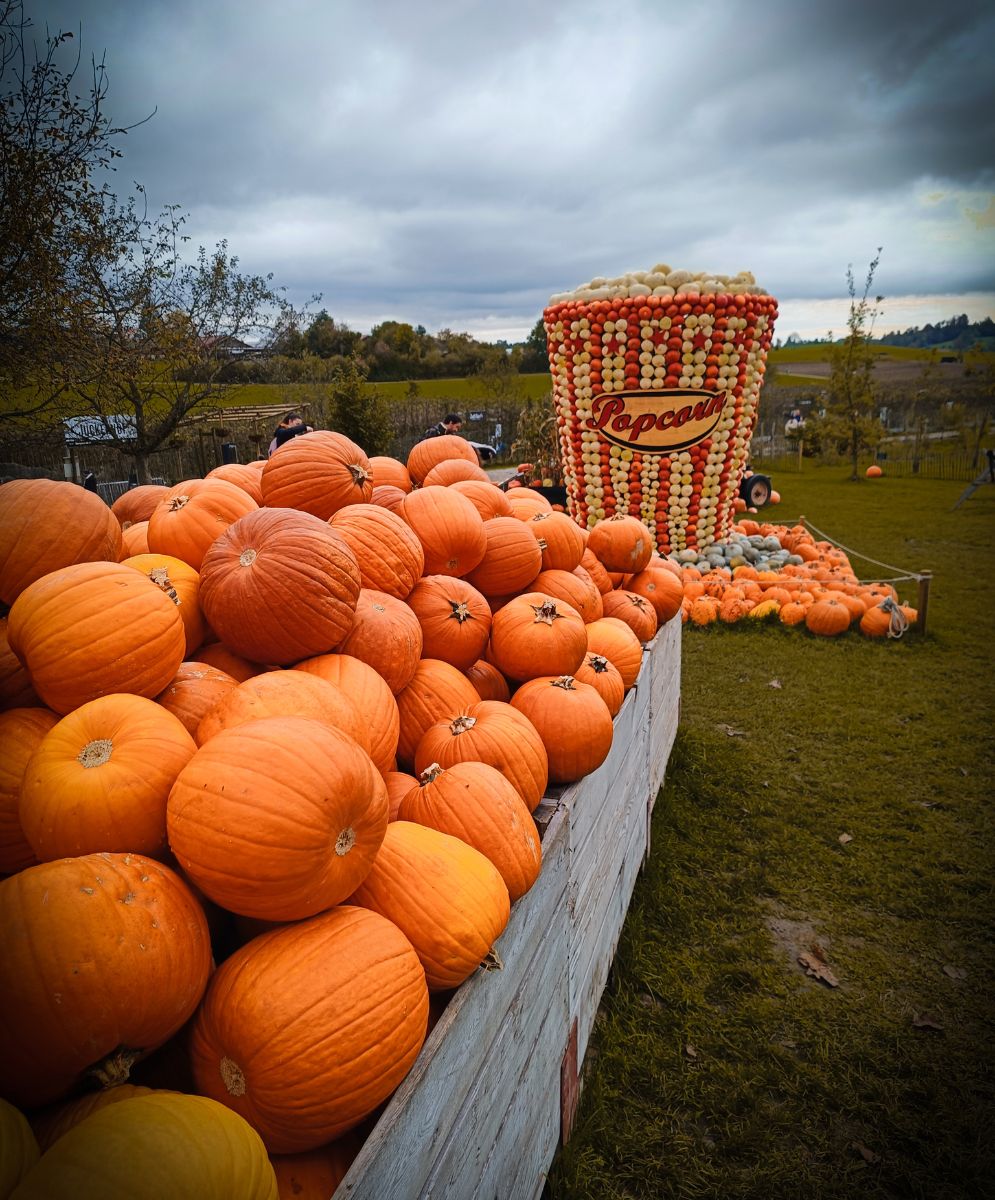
455,163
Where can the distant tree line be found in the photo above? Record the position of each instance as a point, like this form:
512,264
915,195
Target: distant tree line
958,333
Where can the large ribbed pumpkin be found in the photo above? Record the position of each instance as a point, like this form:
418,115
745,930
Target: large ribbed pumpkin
604,677
390,472
573,721
135,539
526,502
99,779
126,958
278,818
635,610
454,617
150,1147
18,1147
241,475
621,543
318,473
217,655
45,525
192,514
559,538
536,635
488,680
15,683
454,470
436,689
828,617
445,897
662,588
388,552
371,696
285,694
305,1030
181,583
431,451
138,503
95,628
193,691
475,803
576,587
511,561
21,732
279,586
595,569
449,528
493,732
386,635
617,642
486,498
385,495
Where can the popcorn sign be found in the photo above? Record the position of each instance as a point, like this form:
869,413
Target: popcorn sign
656,382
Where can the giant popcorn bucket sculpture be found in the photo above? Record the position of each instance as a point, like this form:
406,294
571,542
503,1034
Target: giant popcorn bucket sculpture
656,382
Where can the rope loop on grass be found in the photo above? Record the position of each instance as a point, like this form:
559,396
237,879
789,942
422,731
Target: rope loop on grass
899,622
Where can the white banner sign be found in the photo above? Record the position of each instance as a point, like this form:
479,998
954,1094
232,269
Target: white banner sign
81,431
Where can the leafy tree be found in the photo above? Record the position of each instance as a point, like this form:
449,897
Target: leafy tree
326,339
537,440
360,411
534,358
850,418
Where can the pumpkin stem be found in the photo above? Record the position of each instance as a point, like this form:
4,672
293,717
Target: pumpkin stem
564,681
546,613
597,662
461,611
232,1077
115,1068
160,577
359,474
95,753
431,774
345,841
178,502
247,558
492,962
461,724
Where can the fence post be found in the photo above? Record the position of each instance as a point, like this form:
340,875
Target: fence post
923,605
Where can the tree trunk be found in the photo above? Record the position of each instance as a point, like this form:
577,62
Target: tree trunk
854,455
980,433
141,468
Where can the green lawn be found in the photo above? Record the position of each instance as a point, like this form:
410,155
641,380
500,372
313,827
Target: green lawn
718,1067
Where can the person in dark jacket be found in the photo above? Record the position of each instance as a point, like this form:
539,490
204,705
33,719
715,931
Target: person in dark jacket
291,426
90,481
452,424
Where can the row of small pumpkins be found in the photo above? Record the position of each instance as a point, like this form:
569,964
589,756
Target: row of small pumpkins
821,594
294,718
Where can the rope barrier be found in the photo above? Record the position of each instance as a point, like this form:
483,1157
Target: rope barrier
856,553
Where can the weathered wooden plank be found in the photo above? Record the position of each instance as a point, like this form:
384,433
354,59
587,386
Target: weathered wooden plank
665,695
420,1116
522,1076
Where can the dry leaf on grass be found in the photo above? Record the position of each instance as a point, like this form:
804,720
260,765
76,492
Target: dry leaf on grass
865,1152
926,1021
774,683
844,838
814,962
690,1051
954,972
729,731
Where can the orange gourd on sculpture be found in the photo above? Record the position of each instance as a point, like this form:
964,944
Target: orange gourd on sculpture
279,586
636,611
621,543
371,696
662,588
576,587
386,635
534,634
449,528
390,472
193,691
95,628
285,694
192,514
158,1144
453,470
559,538
181,583
243,476
573,721
486,498
617,642
279,818
436,689
604,677
21,732
100,778
828,617
305,1030
317,473
488,680
454,617
138,503
45,525
448,900
129,918
489,731
430,452
474,802
16,690
389,554
511,560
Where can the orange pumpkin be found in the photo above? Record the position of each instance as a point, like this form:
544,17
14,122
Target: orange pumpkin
474,802
138,503
604,677
92,629
385,634
51,1124
389,497
573,721
389,555
617,642
436,690
192,514
15,683
445,897
536,635
193,691
371,696
245,477
828,617
279,818
21,732
576,587
488,680
317,473
454,618
181,583
636,611
595,568
389,472
399,783
315,1174
621,543
222,659
448,527
128,919
99,779
309,1028
559,538
454,470
511,560
662,588
486,498
430,452
135,539
279,586
45,526
525,503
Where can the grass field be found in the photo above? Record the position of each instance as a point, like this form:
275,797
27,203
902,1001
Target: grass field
718,1067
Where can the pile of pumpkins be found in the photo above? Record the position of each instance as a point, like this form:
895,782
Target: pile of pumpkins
816,588
270,746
